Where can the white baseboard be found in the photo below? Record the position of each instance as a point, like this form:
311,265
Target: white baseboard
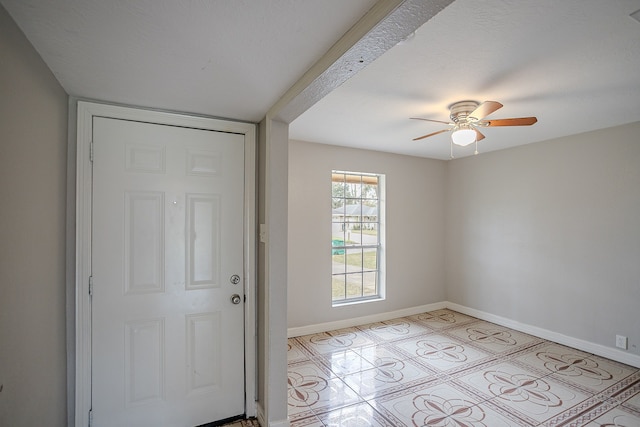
590,347
357,321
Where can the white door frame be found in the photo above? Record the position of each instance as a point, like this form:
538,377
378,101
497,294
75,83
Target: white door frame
85,114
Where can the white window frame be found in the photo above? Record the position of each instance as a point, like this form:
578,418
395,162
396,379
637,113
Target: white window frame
379,246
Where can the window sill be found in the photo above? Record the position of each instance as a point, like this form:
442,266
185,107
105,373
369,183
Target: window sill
335,304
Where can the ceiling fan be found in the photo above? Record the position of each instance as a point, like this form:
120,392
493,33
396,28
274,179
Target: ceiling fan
467,117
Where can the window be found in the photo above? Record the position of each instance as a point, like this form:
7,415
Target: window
356,240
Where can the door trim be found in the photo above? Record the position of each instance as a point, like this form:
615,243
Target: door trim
86,111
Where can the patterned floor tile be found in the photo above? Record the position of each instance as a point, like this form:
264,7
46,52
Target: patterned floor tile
328,342
592,373
394,329
542,357
493,338
441,405
311,394
311,368
335,396
346,362
616,417
443,353
360,415
310,421
373,353
295,352
307,382
389,375
633,403
447,369
515,390
442,319
622,411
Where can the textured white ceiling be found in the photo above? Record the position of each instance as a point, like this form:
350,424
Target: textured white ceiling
575,64
226,58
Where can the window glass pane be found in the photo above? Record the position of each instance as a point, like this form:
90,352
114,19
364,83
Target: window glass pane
354,285
369,192
354,260
370,285
338,290
370,259
353,186
339,263
370,229
351,210
337,230
354,236
337,245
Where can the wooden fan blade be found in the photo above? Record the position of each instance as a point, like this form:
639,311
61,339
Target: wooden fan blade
431,120
484,109
520,121
431,134
479,135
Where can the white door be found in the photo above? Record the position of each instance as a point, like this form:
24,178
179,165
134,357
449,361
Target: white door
167,257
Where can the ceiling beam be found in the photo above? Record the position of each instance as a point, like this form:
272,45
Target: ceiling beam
382,27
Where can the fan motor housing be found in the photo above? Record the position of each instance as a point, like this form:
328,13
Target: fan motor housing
461,110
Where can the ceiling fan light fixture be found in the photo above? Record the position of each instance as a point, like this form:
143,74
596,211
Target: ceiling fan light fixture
466,119
463,136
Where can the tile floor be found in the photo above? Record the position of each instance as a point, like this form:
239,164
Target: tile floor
444,368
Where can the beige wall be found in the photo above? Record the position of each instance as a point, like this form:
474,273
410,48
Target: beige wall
548,234
33,144
414,224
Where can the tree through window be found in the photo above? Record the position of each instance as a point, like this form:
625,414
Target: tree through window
356,236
